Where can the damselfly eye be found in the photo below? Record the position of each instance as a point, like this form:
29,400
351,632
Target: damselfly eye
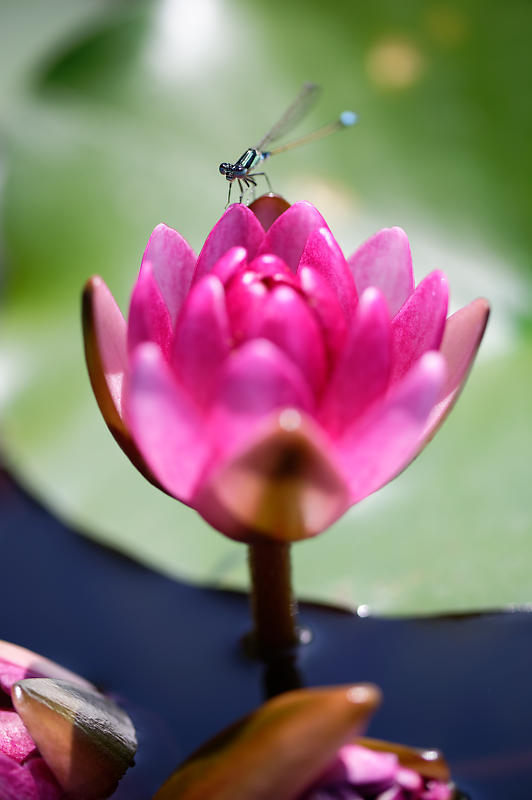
224,167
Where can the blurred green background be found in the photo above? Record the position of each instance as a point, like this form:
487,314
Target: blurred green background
114,116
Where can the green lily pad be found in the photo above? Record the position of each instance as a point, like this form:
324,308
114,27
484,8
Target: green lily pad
123,125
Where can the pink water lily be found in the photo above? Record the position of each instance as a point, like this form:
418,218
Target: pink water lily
271,383
60,739
359,773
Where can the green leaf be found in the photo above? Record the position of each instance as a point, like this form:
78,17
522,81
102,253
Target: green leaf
123,125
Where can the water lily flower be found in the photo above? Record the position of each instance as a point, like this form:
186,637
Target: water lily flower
60,739
303,745
270,383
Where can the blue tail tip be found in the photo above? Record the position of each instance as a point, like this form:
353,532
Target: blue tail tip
348,118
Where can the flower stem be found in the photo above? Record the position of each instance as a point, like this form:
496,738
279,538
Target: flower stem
273,606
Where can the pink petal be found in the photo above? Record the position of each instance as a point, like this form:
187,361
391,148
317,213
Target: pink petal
33,781
367,770
257,378
419,325
270,266
173,262
248,291
165,423
288,235
202,338
230,264
238,227
409,780
385,261
11,673
287,321
245,299
461,339
15,740
104,331
323,254
17,663
363,368
437,791
149,318
16,782
49,789
281,484
380,444
324,303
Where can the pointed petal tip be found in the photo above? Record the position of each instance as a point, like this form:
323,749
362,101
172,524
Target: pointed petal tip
161,231
397,231
94,286
238,226
385,260
398,236
307,206
365,694
146,354
237,210
439,276
482,306
229,264
390,232
372,296
93,283
433,363
423,384
86,740
162,227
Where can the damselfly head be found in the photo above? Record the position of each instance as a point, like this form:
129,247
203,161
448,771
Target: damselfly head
225,168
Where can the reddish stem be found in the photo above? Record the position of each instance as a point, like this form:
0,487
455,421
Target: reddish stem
273,606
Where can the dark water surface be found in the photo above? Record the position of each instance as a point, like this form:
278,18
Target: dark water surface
170,652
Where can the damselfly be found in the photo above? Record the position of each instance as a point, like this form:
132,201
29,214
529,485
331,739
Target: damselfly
241,170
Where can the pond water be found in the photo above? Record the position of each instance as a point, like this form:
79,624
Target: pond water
172,654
